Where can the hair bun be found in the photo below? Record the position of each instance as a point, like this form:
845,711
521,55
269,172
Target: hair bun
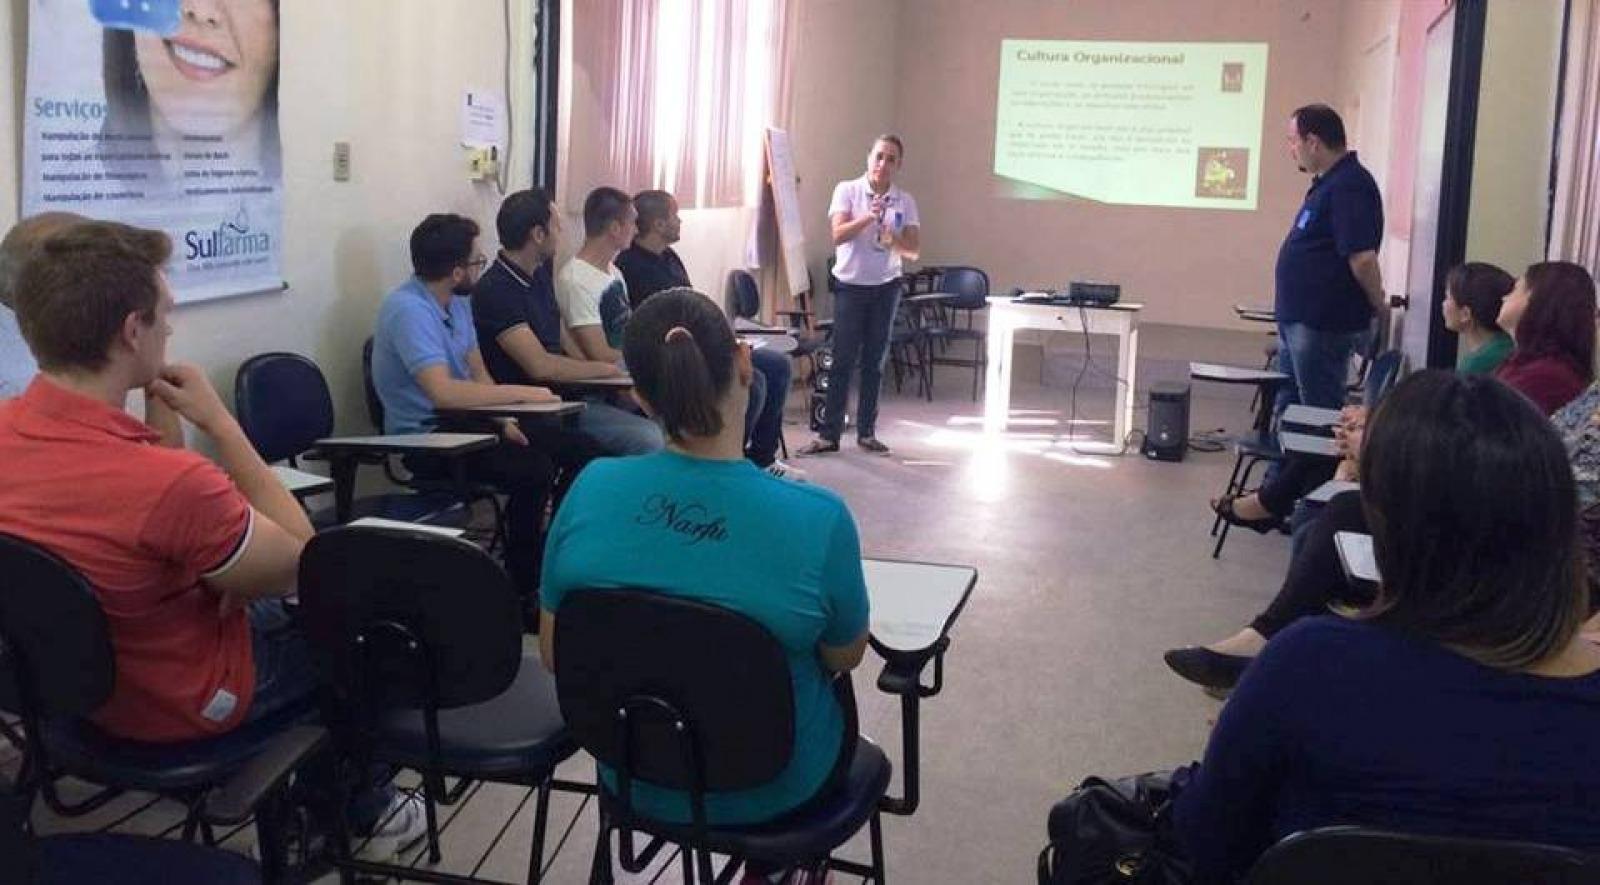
677,332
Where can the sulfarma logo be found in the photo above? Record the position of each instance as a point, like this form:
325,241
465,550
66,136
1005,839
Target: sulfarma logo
230,237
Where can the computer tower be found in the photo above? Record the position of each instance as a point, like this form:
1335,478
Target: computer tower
1167,438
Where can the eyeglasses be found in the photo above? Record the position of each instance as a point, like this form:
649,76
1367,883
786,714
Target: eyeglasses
478,263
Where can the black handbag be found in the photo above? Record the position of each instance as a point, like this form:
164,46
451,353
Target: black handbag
1116,832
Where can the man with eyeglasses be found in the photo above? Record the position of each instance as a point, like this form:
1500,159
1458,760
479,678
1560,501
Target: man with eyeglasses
425,357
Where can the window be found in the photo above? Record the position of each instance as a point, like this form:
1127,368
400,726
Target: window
673,94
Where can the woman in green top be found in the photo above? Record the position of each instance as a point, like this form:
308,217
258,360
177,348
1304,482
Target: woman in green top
1472,296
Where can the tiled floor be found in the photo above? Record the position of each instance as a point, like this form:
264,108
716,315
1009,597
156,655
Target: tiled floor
1089,566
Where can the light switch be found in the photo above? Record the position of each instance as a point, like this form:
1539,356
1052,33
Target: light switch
341,161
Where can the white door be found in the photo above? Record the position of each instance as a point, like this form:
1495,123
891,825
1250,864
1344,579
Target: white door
1413,322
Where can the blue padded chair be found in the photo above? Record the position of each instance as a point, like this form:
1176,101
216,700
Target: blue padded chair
646,689
420,639
1361,856
1381,377
284,407
971,288
96,858
65,670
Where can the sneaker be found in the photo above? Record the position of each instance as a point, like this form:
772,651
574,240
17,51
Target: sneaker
871,444
402,824
785,471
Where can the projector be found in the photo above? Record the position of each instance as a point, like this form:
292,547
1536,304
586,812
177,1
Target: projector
1093,294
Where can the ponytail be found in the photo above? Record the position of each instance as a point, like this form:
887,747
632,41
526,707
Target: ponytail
680,350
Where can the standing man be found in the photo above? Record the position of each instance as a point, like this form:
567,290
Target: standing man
1329,287
649,265
590,289
425,357
520,331
1328,281
17,367
875,227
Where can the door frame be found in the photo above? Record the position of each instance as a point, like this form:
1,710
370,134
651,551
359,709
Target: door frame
1455,178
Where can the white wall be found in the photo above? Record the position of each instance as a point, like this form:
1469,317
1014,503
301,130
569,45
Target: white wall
386,76
1511,155
846,92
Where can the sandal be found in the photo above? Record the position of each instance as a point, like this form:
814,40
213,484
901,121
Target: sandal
819,446
1223,507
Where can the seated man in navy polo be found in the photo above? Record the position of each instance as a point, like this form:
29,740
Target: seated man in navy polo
425,357
519,325
649,265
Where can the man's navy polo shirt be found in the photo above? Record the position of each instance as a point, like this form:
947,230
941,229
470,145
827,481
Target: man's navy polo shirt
1342,215
505,298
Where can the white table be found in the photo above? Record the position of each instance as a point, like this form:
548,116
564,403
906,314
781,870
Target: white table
1324,493
300,483
1007,315
914,604
1310,416
1233,374
1306,444
1356,556
378,522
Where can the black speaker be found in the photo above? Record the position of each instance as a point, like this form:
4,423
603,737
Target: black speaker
1167,438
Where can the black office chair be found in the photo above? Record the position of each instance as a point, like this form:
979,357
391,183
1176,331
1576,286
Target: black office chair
97,858
474,492
65,670
284,407
1361,856
420,639
971,285
646,689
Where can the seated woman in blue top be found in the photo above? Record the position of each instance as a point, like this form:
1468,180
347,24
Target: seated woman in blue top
1463,700
700,521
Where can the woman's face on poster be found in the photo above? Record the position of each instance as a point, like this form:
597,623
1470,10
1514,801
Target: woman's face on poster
211,77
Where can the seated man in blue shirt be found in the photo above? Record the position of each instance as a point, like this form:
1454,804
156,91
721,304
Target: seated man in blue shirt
425,357
519,324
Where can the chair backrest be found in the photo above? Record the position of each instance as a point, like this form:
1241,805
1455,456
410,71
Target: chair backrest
408,619
57,643
283,404
665,659
374,402
1361,856
744,296
1381,377
970,283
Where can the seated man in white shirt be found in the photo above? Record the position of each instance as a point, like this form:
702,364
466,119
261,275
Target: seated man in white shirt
590,290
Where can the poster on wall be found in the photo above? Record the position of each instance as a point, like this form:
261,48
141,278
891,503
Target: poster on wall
162,114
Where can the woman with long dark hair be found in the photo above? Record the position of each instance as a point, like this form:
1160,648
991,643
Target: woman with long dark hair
1462,701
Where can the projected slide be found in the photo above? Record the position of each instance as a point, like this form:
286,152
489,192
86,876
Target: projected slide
1143,124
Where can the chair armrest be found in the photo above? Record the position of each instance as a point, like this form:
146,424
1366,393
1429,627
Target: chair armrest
795,313
902,675
234,801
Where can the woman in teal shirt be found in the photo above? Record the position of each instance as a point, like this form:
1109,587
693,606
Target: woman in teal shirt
699,521
1472,296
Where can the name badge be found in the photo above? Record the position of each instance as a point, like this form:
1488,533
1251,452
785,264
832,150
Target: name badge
1304,219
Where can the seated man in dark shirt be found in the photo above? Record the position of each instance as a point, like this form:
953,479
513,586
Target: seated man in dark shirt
649,266
520,330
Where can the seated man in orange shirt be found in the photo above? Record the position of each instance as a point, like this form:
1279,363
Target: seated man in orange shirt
188,560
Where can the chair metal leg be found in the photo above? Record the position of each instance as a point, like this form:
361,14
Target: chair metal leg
541,813
600,864
432,785
875,832
1227,491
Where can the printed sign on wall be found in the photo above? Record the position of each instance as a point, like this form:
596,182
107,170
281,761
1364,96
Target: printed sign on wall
162,114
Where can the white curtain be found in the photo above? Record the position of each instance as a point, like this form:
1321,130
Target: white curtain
675,95
1575,228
